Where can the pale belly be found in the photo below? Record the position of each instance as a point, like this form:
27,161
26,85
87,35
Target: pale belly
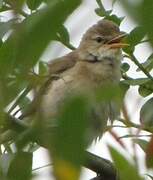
84,81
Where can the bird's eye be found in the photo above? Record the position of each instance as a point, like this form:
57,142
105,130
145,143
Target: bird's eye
99,39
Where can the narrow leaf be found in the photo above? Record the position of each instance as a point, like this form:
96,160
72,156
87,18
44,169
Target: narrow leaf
124,166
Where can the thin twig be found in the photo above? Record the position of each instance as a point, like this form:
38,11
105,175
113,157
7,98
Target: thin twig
140,66
41,167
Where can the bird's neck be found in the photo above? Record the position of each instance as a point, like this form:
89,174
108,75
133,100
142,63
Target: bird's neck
110,54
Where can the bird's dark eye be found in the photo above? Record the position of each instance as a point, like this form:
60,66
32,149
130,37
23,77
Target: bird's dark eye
99,39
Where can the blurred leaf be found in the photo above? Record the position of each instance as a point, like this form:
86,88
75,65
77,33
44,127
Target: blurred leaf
5,160
72,123
125,67
10,89
113,2
69,139
20,167
136,35
146,113
141,11
5,27
124,87
30,39
148,64
102,12
149,154
135,82
124,166
134,38
109,92
23,48
33,147
146,16
42,68
132,7
24,103
33,4
107,14
151,177
1,3
115,18
62,36
17,4
100,4
142,143
146,89
64,170
4,8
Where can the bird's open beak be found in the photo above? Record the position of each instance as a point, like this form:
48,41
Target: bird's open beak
117,42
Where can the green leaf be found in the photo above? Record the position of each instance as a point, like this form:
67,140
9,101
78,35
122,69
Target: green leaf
32,36
22,50
100,4
142,143
15,4
115,18
148,64
135,82
11,88
146,16
69,140
134,38
5,27
42,68
25,102
1,3
33,4
136,35
62,34
131,8
142,12
100,12
124,166
146,89
146,113
5,160
21,166
149,154
148,175
70,136
125,67
124,87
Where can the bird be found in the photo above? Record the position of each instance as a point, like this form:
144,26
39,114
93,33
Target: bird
94,64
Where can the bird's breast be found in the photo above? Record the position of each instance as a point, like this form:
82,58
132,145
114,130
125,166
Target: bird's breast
83,78
98,73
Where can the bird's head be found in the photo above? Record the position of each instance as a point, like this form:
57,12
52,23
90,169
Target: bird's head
103,39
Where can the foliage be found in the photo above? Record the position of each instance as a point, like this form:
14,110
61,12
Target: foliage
33,25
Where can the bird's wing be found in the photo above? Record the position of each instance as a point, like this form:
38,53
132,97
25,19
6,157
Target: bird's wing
60,65
56,67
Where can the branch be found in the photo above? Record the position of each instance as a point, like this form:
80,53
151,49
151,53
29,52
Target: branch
103,167
134,59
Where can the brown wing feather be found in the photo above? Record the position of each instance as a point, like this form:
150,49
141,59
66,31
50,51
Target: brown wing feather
59,65
56,67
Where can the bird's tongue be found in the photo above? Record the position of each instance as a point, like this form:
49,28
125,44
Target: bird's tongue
117,42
